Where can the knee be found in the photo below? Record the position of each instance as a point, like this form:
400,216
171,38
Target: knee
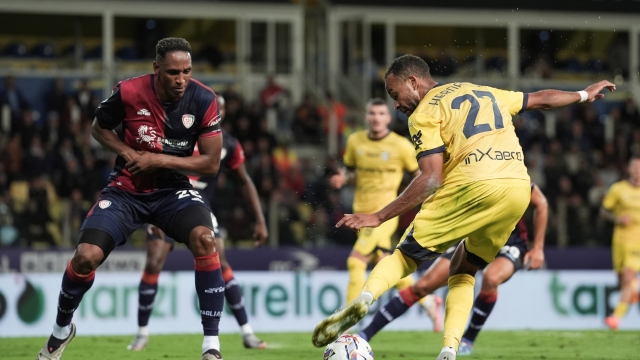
356,264
202,242
85,262
421,287
490,281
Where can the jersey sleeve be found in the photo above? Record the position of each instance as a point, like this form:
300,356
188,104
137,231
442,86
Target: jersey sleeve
408,156
349,158
611,199
110,113
210,125
425,135
237,158
515,101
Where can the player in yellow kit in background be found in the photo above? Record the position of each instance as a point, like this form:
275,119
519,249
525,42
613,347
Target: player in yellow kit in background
622,207
472,163
376,159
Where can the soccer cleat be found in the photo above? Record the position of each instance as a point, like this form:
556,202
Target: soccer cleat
251,341
447,354
612,322
466,347
432,307
47,353
138,343
329,329
212,354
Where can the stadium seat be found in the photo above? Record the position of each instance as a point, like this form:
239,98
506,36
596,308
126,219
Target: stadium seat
95,53
496,63
44,51
16,49
127,53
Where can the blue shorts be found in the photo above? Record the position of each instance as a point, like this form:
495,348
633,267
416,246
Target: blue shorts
513,250
120,213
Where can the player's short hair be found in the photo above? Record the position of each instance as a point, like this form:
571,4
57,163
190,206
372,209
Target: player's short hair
171,44
407,65
375,102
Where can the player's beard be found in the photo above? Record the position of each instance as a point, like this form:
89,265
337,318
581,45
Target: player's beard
412,105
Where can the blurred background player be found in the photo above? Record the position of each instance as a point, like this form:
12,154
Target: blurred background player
621,205
376,160
163,115
159,244
474,167
507,262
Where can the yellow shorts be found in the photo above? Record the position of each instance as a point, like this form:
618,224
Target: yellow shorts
626,255
376,241
484,211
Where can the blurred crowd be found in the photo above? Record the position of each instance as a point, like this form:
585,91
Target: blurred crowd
52,170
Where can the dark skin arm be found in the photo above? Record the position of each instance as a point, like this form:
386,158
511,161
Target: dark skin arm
552,99
422,186
207,164
535,256
109,140
250,195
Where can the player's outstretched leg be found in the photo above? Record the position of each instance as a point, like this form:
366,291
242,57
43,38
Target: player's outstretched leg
496,273
434,278
157,251
76,281
233,295
384,275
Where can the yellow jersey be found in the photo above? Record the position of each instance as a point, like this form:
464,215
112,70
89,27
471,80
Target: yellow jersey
472,126
624,199
379,166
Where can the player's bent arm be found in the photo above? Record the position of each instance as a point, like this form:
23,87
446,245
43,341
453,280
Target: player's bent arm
609,215
249,192
540,217
108,139
207,164
422,186
552,99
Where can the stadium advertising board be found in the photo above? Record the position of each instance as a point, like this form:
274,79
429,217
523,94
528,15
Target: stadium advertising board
289,301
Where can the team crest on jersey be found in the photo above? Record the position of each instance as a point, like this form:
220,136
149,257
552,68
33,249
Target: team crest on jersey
146,135
188,120
385,155
103,204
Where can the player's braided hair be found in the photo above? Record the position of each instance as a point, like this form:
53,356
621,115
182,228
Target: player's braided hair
171,44
407,65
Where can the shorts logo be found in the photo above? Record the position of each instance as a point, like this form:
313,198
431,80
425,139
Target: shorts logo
103,204
188,120
144,112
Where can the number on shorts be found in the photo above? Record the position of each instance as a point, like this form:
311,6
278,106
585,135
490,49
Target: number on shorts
186,193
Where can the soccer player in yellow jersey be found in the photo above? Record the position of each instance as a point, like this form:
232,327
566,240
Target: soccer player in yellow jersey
473,184
376,158
622,206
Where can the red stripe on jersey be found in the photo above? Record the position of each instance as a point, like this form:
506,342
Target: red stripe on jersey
211,134
237,158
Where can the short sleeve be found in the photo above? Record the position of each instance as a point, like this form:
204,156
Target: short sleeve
515,101
237,158
349,158
611,199
425,135
110,113
210,125
409,162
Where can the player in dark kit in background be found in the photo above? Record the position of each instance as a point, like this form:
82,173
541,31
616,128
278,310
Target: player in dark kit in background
159,245
162,115
512,257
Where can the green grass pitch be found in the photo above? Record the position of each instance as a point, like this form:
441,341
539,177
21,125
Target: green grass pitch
386,345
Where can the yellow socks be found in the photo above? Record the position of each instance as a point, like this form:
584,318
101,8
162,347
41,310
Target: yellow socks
621,310
388,272
459,303
357,270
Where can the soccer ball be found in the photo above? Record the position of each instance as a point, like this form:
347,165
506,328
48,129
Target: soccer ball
348,347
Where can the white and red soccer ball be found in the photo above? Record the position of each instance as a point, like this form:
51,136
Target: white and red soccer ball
348,347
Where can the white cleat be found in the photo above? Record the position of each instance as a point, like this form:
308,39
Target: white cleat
47,353
329,329
447,354
138,343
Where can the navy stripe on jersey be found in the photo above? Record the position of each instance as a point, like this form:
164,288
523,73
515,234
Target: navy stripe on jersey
152,125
